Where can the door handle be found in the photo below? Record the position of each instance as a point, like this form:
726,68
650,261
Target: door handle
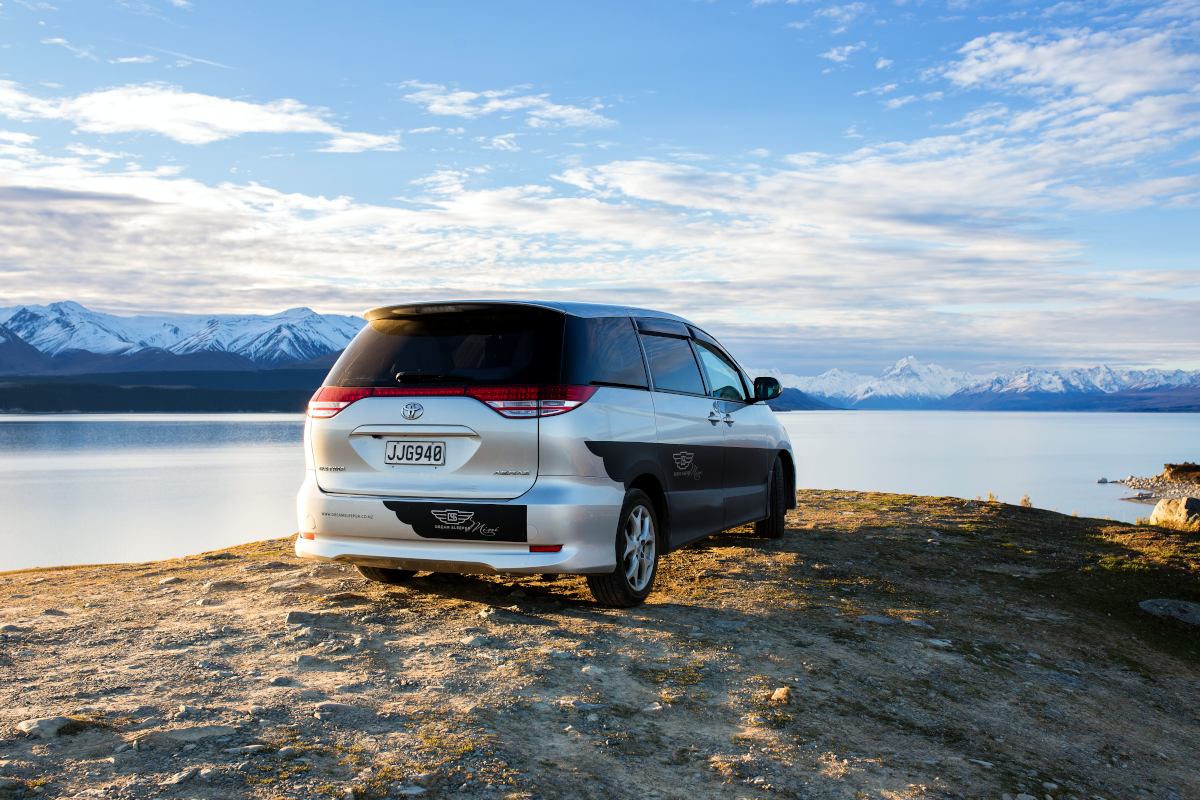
714,417
728,419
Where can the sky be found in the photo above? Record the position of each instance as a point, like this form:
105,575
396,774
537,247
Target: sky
819,184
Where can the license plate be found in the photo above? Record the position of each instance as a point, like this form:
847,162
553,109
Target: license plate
406,451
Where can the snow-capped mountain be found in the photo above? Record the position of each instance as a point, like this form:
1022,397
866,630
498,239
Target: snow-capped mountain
907,382
1091,380
64,329
910,383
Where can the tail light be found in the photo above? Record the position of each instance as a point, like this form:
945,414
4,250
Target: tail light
507,401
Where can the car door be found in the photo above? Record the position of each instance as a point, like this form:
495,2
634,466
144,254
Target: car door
690,437
748,434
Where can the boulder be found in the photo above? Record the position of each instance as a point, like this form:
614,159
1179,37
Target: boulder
1182,513
1181,610
48,727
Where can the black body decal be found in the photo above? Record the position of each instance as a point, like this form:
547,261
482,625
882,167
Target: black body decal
480,522
709,488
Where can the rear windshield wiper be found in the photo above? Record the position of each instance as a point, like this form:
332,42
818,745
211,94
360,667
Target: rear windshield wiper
430,377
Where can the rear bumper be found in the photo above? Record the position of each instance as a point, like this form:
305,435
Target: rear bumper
580,514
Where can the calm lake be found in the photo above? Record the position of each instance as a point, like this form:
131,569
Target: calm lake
96,488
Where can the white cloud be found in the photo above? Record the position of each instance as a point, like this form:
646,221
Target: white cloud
841,15
538,109
898,102
506,142
883,63
1108,66
78,52
841,53
146,59
187,117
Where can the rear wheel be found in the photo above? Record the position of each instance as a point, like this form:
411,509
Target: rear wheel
386,575
637,555
773,526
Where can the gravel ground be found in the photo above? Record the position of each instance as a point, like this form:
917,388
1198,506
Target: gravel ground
888,647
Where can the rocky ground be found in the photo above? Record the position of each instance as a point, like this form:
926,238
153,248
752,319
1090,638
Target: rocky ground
1152,488
889,647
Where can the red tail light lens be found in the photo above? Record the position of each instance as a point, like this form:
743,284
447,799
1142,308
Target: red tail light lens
507,401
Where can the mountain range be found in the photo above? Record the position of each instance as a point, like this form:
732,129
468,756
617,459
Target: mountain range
66,337
66,343
912,384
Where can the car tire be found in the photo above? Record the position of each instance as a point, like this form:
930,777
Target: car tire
637,546
775,523
386,574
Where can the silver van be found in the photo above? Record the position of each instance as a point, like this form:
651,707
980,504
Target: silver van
536,437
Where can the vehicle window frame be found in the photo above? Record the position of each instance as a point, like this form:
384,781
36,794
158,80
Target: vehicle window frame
654,387
641,352
719,351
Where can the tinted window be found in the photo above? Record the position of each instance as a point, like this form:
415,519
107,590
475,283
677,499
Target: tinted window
477,344
724,379
673,365
603,350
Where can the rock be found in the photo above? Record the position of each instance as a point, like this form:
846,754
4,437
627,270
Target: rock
289,751
281,680
314,619
1181,513
223,586
293,585
1023,796
876,619
940,643
781,696
592,669
181,777
919,623
306,663
48,727
409,791
54,612
332,708
14,629
11,784
219,557
246,749
169,580
196,733
473,641
1102,480
259,566
1181,610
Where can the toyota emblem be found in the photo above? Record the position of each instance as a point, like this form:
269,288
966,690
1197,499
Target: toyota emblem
412,410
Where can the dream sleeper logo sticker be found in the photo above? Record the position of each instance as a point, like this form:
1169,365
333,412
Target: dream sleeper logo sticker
686,465
453,519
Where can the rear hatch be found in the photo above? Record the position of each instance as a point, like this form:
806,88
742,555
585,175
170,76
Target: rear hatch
438,401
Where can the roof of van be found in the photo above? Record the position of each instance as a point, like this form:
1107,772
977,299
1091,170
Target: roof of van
574,309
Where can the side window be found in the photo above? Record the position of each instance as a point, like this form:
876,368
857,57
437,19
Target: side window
603,350
723,377
673,365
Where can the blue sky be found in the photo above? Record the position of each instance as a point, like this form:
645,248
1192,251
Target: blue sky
821,184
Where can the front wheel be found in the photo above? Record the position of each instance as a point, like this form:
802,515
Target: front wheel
637,555
773,526
386,575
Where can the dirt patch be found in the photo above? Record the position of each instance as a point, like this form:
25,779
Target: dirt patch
928,648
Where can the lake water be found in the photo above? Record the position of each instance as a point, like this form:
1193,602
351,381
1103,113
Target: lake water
97,488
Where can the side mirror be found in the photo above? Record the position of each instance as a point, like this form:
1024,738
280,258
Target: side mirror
766,389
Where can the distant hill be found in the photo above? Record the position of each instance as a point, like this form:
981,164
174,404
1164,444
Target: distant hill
796,400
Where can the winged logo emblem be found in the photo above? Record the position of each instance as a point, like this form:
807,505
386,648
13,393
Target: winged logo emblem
683,459
451,516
